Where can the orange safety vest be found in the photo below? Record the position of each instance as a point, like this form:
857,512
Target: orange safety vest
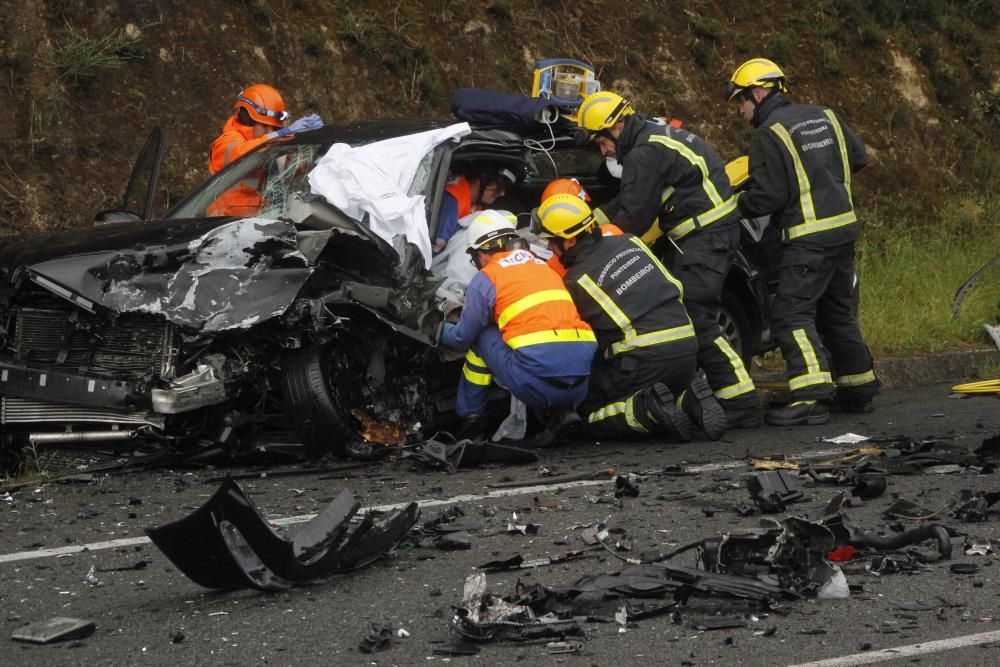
235,141
460,190
532,304
606,230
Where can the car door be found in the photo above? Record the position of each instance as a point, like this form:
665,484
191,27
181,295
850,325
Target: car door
140,192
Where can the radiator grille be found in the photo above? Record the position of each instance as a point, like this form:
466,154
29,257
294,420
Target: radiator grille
130,347
26,411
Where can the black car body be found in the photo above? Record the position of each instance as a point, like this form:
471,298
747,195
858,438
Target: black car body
200,330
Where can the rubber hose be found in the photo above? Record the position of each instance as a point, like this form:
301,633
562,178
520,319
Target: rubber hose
908,538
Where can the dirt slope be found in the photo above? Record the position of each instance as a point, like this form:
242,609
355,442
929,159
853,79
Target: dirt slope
83,81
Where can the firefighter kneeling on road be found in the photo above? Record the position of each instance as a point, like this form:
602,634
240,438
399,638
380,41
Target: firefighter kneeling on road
648,351
519,324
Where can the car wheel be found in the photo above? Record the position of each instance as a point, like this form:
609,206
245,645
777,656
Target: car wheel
736,326
313,406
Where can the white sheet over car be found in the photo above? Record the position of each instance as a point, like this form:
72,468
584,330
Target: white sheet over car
376,178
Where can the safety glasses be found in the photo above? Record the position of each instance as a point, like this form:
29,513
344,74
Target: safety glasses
277,115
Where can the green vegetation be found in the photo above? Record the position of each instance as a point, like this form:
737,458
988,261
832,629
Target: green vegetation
81,60
909,275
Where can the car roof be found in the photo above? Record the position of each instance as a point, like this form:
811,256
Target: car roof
363,132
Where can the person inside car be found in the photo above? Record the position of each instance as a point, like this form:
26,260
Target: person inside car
647,347
519,324
801,161
466,193
675,185
260,117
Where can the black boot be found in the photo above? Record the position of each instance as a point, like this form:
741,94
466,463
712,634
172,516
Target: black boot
473,427
799,412
559,427
662,408
704,410
746,418
857,407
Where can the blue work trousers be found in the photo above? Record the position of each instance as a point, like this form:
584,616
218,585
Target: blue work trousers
490,355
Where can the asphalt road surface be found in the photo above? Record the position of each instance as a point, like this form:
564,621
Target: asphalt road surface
53,536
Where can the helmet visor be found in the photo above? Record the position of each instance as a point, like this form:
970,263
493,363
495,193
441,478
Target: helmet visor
277,115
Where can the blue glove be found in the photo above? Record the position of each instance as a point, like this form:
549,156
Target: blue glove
304,124
448,326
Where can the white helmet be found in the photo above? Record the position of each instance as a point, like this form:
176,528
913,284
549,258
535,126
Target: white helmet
489,226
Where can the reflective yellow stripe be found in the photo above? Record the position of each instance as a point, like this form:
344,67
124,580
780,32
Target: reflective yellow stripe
601,217
474,358
843,154
813,374
530,301
744,384
810,223
856,380
704,220
606,304
666,194
653,338
666,274
626,407
808,380
552,336
472,376
695,159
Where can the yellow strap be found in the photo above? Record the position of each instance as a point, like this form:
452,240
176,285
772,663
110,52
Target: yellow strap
843,154
653,338
552,336
814,374
823,225
474,358
530,301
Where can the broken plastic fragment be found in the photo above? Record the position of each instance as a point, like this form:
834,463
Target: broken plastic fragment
846,439
54,629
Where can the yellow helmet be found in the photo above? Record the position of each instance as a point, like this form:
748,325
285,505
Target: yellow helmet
563,215
759,72
601,110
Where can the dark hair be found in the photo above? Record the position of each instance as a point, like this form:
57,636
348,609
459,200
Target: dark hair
243,117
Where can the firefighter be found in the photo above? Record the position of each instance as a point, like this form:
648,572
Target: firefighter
675,185
801,161
648,349
519,323
260,117
570,186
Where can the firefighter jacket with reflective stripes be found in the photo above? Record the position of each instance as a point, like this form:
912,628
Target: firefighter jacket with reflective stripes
670,174
235,141
528,302
801,161
626,295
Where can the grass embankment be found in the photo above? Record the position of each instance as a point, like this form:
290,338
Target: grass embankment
910,270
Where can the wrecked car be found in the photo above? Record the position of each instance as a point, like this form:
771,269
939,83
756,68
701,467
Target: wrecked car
199,328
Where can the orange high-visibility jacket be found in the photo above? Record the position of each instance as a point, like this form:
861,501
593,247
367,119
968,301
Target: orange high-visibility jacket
236,140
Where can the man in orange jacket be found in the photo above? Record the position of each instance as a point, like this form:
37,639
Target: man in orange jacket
260,117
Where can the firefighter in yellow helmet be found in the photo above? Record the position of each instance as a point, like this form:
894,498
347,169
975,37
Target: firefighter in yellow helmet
259,117
644,379
801,162
676,197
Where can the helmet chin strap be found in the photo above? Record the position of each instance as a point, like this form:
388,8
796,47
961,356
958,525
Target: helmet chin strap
756,105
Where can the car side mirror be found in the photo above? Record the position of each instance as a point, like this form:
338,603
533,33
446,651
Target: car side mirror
113,215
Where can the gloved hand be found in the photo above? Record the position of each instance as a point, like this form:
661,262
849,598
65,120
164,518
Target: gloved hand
446,327
304,124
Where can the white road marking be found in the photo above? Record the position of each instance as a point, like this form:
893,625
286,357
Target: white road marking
429,502
907,651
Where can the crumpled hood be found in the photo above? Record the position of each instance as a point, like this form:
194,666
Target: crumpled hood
204,275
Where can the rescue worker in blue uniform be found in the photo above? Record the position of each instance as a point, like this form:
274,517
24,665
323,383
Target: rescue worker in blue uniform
675,185
519,324
801,162
648,350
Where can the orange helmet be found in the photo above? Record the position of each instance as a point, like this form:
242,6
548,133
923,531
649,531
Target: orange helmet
568,186
263,103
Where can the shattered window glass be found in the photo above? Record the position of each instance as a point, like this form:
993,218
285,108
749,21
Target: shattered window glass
259,185
423,175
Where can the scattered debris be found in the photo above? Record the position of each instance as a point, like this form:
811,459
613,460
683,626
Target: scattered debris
379,638
771,491
227,544
467,453
513,528
57,629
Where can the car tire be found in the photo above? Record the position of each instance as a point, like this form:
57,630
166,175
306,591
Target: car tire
312,408
736,327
